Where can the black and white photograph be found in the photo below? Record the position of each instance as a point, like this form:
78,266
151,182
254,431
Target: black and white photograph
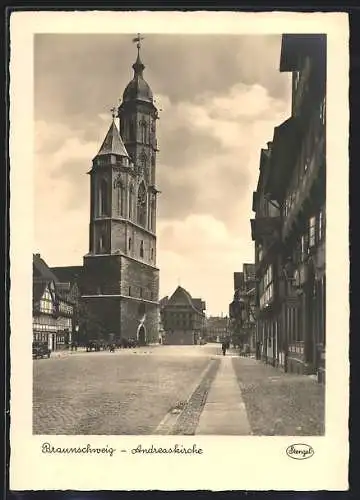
199,303
179,240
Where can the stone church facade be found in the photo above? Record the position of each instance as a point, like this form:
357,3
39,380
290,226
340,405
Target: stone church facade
120,280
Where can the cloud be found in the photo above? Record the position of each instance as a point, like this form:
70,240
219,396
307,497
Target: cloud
201,254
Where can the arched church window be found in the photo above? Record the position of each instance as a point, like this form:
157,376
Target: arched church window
142,249
153,213
101,244
121,199
141,205
152,254
129,243
143,163
131,201
132,131
143,131
104,199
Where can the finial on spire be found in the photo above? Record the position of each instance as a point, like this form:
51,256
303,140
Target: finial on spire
138,65
138,39
113,112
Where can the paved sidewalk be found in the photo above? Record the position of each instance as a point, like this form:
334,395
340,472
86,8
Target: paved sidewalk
224,412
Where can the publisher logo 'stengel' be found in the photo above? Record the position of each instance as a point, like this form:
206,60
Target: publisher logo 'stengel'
299,451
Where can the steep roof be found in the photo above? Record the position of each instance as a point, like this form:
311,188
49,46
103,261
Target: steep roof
183,295
68,274
113,143
41,270
199,304
38,289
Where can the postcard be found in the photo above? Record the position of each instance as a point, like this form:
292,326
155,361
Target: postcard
179,250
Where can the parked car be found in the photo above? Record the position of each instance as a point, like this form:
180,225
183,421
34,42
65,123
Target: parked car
40,350
128,343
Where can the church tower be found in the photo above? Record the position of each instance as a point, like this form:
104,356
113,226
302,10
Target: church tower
121,280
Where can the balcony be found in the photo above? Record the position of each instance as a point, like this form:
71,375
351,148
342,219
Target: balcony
305,186
265,229
284,149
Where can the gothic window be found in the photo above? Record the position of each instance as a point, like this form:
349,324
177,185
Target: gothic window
152,254
142,249
100,248
143,162
141,205
104,199
131,201
143,131
153,213
132,131
120,197
129,243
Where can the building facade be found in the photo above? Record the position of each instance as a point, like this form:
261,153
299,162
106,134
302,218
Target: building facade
242,323
183,318
217,328
120,277
53,308
290,246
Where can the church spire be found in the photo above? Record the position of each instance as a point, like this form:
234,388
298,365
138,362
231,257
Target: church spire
138,65
113,143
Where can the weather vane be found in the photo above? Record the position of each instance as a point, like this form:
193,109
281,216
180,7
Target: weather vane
138,39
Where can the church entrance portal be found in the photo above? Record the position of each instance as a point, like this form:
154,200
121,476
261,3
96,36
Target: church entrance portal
142,335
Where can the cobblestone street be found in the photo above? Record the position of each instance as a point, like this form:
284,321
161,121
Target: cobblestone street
279,403
167,389
126,392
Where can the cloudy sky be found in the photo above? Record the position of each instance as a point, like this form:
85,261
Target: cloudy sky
221,97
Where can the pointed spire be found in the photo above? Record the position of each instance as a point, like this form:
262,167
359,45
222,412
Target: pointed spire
113,143
138,65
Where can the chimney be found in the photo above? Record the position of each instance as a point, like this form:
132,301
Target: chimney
269,145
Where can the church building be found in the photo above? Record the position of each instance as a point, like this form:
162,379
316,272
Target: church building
120,280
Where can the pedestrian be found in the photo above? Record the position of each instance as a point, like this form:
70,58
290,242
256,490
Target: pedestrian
224,347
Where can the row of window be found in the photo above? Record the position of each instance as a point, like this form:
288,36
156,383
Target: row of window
146,131
141,292
49,307
314,234
267,297
266,288
44,327
40,337
145,213
141,249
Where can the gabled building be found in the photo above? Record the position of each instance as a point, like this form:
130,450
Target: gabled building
290,247
242,323
53,308
183,318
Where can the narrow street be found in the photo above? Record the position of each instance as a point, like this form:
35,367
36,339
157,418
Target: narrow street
182,390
